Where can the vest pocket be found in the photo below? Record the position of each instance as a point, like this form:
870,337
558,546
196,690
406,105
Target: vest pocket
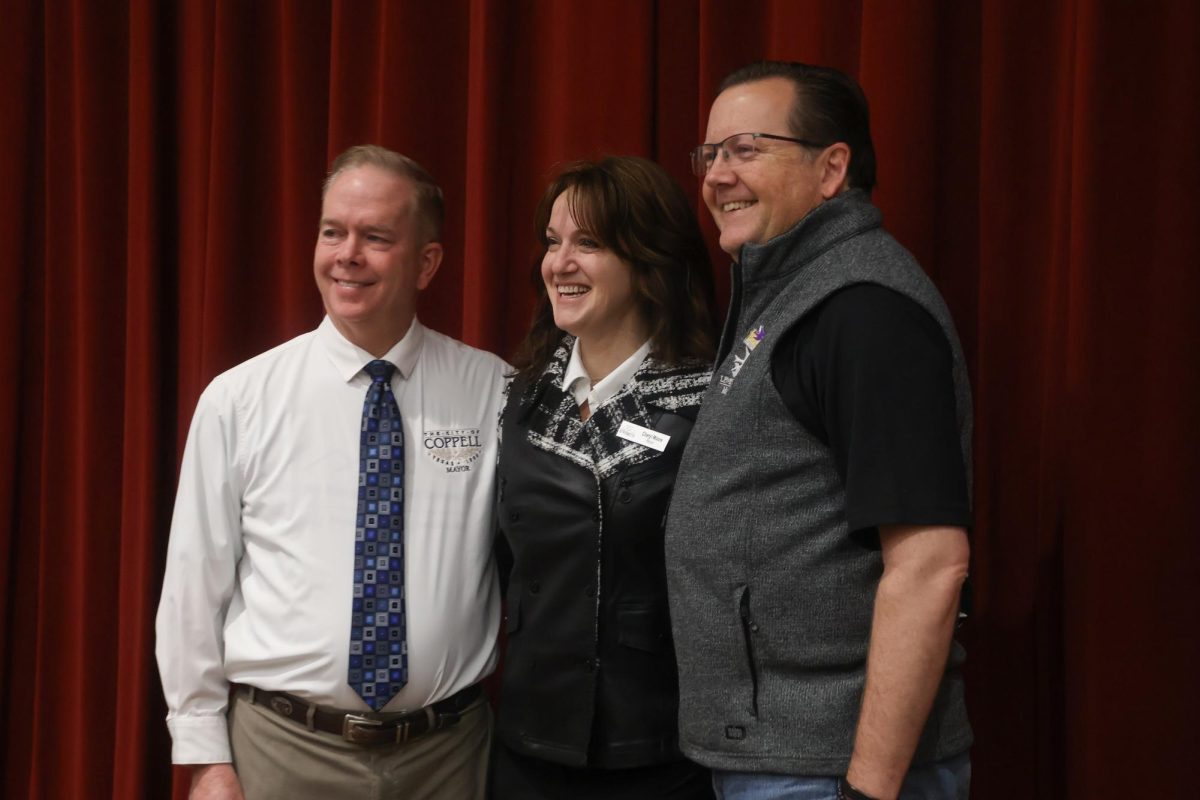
749,630
639,627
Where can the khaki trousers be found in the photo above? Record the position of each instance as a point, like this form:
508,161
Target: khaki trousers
277,758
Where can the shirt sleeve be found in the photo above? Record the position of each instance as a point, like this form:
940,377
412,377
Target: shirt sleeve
202,556
870,373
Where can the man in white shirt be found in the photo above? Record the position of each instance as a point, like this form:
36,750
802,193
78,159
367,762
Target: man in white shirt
255,622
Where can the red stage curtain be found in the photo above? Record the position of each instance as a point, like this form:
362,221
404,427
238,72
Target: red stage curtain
160,185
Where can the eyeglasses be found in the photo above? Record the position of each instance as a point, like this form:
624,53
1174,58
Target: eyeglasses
737,149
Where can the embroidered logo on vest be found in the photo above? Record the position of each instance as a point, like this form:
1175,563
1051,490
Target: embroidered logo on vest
753,339
456,450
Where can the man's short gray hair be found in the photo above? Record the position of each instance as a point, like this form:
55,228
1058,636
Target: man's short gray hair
430,208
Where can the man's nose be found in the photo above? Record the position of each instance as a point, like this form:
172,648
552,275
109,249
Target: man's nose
348,251
719,171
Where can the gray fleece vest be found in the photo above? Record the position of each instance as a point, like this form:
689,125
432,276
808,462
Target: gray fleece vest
771,599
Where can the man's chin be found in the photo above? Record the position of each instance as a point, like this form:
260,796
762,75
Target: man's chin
348,315
732,245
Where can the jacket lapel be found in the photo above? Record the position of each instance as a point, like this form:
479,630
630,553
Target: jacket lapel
555,427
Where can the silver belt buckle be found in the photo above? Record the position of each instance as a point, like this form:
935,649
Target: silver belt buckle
356,728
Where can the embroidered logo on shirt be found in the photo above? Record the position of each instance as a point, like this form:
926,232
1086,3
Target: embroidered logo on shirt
753,339
456,450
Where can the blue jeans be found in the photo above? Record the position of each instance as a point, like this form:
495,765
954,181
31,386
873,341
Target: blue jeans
949,779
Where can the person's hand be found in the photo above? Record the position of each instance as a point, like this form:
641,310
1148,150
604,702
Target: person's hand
215,782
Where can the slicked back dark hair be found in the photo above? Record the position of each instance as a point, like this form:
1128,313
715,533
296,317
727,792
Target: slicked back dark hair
634,209
830,107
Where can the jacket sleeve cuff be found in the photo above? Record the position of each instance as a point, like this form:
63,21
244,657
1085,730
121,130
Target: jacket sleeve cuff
199,740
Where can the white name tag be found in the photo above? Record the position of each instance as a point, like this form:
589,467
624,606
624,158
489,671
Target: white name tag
643,436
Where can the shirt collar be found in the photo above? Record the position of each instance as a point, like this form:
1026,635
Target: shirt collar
349,359
579,385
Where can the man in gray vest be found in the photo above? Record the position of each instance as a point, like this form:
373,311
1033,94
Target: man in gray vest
816,543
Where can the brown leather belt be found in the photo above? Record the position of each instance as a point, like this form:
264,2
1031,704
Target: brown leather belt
368,727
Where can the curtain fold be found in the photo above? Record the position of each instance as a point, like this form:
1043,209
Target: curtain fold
1131,388
159,194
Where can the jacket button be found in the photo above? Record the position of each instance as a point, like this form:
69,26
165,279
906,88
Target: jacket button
534,587
591,591
513,516
624,495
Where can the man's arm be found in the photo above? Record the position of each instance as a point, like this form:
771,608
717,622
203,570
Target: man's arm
215,782
202,556
871,374
915,611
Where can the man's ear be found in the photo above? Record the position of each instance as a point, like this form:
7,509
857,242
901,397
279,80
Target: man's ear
835,169
431,259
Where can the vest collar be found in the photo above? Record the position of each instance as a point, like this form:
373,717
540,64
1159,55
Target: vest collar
847,215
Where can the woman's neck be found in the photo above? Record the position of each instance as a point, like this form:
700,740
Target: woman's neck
602,356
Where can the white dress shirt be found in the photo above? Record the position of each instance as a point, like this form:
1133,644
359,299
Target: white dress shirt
260,561
576,381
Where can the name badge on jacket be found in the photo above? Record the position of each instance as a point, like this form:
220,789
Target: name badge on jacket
643,436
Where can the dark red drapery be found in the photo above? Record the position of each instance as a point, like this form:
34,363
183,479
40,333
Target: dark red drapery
159,182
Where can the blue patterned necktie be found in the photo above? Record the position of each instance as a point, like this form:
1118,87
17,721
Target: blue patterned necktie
378,643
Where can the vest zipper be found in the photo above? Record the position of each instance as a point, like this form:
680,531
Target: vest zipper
748,630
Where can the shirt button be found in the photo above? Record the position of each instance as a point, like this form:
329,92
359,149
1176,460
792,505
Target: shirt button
754,627
534,587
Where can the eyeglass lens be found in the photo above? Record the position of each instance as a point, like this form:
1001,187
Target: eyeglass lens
737,149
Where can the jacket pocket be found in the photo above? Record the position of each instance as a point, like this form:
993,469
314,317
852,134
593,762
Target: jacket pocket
663,462
749,631
642,628
512,610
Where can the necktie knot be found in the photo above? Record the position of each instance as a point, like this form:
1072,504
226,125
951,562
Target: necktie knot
380,370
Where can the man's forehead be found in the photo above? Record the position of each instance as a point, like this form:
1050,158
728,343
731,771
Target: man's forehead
383,225
368,183
373,179
757,107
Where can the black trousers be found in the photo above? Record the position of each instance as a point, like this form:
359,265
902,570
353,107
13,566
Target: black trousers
520,777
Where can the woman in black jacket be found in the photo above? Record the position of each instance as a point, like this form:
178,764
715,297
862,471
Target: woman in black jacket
608,384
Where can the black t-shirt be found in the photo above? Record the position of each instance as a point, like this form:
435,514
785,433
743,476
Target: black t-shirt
869,372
